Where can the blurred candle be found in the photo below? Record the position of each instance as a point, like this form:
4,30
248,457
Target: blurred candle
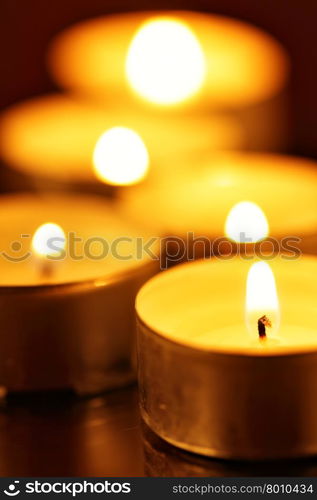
176,60
209,384
70,267
55,139
198,200
92,56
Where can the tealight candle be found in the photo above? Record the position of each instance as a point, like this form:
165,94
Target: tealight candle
176,60
214,377
198,199
54,139
70,267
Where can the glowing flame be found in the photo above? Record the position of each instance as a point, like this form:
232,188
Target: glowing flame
246,223
49,240
261,298
165,62
120,157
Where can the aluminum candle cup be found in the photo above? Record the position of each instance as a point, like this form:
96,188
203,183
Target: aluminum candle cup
163,460
173,61
209,386
68,324
193,204
51,140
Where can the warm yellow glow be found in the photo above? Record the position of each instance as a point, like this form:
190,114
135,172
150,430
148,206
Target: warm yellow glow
48,240
120,157
165,62
246,223
261,298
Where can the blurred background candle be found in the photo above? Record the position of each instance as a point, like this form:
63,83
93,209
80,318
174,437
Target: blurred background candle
67,321
50,142
208,383
198,199
176,60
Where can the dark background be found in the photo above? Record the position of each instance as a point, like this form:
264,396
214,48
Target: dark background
27,26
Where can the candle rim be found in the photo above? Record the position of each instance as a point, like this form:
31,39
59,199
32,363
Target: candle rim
29,159
237,352
102,281
104,276
243,352
246,166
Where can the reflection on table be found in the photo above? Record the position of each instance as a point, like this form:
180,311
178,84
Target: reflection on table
61,435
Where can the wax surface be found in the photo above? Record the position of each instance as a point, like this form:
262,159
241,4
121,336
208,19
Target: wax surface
55,136
88,218
198,198
244,64
202,305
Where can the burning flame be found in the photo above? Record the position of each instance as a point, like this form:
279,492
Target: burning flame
261,298
246,223
49,240
165,62
120,157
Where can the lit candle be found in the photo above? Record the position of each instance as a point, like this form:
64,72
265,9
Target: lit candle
250,70
193,203
177,60
210,381
52,140
70,267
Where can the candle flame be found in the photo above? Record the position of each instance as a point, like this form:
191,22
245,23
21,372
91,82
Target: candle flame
120,157
48,240
246,223
165,62
261,299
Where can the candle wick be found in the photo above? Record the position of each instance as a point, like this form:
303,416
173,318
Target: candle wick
46,269
263,322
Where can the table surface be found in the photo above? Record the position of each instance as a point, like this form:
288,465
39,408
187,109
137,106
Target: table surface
60,435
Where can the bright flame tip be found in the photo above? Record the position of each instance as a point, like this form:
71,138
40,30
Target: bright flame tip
261,298
246,223
120,157
165,63
48,240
